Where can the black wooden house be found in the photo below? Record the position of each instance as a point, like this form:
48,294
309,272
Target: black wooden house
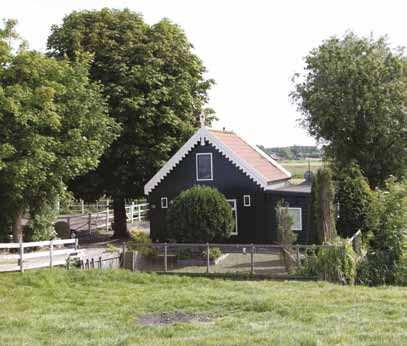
252,182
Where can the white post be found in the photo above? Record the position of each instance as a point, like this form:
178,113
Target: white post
107,218
132,212
21,257
139,212
68,221
51,253
82,206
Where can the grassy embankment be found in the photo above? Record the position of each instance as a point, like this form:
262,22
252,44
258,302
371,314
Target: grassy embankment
58,307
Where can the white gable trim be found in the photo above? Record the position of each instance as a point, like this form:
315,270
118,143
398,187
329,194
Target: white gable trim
200,136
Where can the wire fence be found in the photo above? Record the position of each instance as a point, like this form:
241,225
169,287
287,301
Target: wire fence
242,259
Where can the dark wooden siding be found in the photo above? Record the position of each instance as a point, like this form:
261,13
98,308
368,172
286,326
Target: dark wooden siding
256,224
227,178
295,200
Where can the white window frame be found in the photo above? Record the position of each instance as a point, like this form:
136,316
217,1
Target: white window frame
164,202
234,208
196,165
249,203
300,209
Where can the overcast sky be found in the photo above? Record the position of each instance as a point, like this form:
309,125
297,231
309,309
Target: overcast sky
251,48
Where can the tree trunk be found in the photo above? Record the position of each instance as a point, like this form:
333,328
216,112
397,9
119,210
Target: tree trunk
120,219
18,226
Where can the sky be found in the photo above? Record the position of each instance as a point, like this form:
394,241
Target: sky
250,48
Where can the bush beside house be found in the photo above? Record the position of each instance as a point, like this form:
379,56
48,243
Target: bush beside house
200,214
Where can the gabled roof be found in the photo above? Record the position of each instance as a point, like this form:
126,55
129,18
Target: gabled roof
252,161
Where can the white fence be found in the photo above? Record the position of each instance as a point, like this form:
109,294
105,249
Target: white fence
52,253
103,219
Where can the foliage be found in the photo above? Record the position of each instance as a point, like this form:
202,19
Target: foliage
336,263
354,196
285,234
214,253
353,97
155,87
112,249
387,220
199,214
322,209
53,127
139,237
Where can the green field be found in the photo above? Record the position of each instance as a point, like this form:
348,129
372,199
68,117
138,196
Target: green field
58,307
299,167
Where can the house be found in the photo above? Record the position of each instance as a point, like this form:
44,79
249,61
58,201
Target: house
252,182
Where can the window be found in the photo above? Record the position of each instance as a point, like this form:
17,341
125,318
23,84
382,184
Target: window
247,201
233,205
164,202
296,215
204,169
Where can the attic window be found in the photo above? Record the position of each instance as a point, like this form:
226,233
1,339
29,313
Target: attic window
296,215
204,167
247,201
164,202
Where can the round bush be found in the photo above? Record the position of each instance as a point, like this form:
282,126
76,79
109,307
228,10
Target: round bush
200,214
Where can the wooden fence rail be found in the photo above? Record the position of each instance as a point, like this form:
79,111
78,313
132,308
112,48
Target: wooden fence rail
52,253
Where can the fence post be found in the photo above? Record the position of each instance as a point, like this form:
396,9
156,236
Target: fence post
90,224
51,253
68,221
133,259
21,257
107,218
208,260
132,212
165,258
92,261
82,206
100,262
76,244
252,260
124,255
298,257
139,212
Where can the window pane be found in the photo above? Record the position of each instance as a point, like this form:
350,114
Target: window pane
204,165
295,214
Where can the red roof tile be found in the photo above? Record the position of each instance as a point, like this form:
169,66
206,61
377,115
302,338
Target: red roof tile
251,156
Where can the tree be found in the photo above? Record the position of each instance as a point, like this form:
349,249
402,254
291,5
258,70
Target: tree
199,214
53,127
353,97
323,212
155,88
354,197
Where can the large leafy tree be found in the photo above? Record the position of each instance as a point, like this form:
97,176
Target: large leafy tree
353,97
53,127
155,88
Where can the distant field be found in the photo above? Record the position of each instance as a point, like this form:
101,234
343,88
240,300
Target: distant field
115,307
299,167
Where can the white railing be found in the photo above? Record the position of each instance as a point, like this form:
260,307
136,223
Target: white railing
54,255
104,219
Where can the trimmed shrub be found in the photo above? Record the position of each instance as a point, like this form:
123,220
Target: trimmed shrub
354,196
322,223
200,214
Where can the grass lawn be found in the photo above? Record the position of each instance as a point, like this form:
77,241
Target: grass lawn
299,167
58,307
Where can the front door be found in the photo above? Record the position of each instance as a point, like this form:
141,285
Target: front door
233,205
